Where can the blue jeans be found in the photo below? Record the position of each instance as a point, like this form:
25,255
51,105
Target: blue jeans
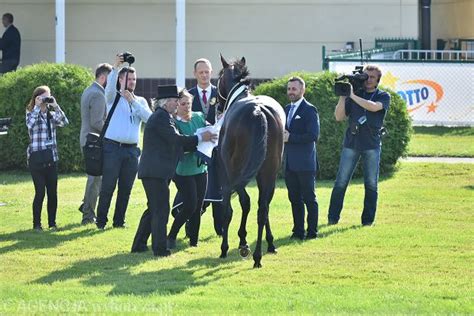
120,164
347,164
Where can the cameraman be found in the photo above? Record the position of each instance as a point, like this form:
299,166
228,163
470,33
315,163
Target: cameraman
120,151
366,113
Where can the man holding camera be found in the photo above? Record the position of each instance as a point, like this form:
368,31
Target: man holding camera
366,113
120,151
93,109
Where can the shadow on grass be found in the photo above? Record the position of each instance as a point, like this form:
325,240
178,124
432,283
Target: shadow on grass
31,239
117,270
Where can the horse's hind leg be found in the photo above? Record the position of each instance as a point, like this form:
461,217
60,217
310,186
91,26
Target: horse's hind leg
269,237
244,200
226,218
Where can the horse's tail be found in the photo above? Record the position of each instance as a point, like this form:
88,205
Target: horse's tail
248,156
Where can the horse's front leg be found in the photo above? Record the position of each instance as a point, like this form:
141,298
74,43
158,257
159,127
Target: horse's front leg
226,218
244,200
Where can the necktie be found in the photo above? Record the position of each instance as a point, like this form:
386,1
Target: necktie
204,97
290,114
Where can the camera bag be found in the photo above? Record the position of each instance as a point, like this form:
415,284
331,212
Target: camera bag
93,147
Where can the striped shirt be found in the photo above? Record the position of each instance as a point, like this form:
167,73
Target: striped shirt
36,121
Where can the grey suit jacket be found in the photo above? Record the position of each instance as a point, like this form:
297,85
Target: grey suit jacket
93,109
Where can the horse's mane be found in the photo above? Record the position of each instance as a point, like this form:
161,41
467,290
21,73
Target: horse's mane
241,70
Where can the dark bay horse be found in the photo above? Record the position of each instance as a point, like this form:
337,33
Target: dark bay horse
250,146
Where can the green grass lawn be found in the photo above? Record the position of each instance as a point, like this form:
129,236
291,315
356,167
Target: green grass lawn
440,141
418,258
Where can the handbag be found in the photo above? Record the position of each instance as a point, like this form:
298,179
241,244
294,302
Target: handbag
42,158
93,156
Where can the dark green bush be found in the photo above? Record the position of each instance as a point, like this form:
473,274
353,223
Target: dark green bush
66,82
319,91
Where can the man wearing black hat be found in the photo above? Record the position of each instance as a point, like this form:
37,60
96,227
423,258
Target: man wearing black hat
162,148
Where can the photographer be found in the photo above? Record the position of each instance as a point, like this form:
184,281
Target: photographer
120,151
365,113
43,116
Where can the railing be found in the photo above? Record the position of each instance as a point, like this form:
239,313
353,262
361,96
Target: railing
421,54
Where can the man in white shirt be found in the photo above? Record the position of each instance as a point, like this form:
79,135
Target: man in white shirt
120,151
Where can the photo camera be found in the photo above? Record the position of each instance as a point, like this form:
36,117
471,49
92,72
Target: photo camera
48,100
356,79
128,57
4,124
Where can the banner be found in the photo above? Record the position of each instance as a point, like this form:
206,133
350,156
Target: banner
435,93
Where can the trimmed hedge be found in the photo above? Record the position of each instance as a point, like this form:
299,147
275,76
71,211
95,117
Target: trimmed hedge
66,82
319,91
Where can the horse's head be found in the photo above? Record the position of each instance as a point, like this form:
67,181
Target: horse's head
231,74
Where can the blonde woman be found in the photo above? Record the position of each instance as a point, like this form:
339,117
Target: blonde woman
191,174
43,116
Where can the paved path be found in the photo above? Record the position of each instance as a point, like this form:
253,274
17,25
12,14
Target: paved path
439,159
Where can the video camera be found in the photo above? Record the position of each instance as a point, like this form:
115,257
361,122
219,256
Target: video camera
4,124
357,79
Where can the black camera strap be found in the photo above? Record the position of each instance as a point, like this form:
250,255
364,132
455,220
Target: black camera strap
109,117
48,123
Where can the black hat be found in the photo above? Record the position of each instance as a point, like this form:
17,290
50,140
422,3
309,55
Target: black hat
167,91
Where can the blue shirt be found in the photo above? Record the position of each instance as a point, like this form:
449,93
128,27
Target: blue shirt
368,136
124,126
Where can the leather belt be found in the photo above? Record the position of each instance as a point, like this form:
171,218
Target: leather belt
118,143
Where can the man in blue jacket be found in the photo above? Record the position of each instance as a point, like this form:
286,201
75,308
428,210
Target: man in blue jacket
9,45
300,159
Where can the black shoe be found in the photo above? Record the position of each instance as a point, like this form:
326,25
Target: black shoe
164,253
193,244
332,222
142,248
296,236
368,224
101,227
38,228
171,243
311,236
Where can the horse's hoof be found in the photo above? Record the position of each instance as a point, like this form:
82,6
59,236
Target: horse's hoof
272,250
257,265
244,251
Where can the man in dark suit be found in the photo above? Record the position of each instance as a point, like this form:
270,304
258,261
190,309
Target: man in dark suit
162,148
300,159
10,44
205,101
205,94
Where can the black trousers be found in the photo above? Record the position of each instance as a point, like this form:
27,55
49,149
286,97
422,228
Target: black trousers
45,180
192,189
300,185
155,218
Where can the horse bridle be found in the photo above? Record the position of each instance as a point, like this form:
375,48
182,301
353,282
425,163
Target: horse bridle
231,92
